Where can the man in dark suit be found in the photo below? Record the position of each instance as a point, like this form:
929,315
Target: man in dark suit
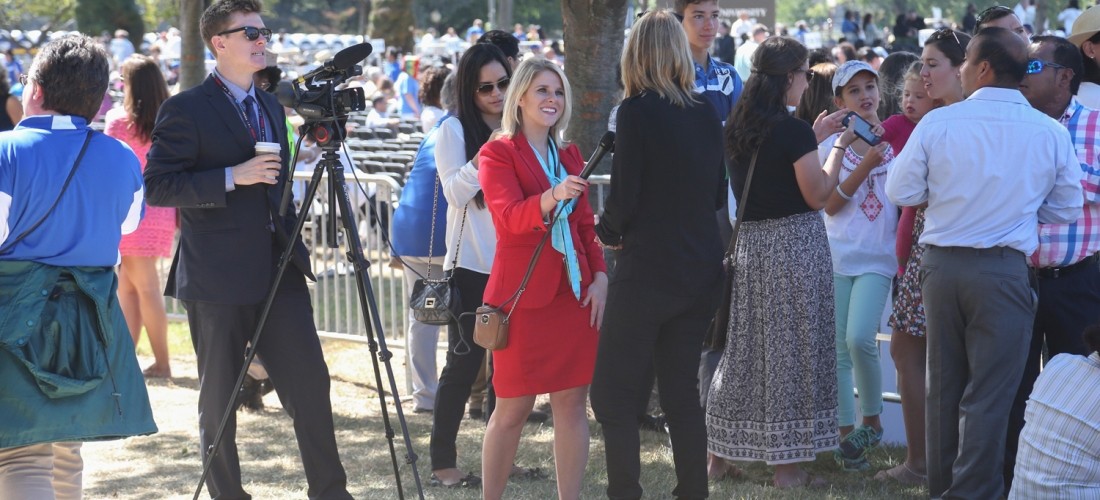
203,162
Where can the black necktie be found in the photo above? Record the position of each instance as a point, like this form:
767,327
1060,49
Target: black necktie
253,122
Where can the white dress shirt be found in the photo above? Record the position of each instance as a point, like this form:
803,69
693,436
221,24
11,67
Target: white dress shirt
1089,95
1059,457
460,184
991,168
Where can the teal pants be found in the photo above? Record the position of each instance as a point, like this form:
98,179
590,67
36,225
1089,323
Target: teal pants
859,304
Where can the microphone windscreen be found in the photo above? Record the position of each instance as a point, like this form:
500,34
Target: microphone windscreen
285,94
351,56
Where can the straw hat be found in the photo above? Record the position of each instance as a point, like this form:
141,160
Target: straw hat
1087,25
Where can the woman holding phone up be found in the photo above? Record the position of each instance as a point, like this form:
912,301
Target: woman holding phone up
529,177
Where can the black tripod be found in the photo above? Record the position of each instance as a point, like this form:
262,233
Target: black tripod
337,197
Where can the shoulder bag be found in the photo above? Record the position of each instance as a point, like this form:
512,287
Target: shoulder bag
65,186
434,302
716,337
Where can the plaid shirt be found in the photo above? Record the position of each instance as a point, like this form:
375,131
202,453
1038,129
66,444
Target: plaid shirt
1062,245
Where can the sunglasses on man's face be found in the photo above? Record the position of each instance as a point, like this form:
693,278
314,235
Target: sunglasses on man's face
1035,66
487,88
250,33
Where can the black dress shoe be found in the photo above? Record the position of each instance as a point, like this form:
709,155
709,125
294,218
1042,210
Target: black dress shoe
251,395
476,413
538,417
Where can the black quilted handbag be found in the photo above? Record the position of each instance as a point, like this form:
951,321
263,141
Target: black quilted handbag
436,302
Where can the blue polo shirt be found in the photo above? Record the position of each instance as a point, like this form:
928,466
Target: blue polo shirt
720,84
105,199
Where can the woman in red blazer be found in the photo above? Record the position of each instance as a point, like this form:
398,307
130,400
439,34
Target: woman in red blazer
527,176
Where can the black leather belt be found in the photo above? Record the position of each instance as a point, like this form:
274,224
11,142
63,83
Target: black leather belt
1058,272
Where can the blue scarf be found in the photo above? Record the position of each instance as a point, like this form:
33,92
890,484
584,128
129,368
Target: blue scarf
560,238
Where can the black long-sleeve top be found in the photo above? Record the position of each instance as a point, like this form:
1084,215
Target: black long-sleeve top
667,182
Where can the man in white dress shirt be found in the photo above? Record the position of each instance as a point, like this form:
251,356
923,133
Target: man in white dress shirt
991,168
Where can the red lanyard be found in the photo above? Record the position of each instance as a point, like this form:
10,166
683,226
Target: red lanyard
244,113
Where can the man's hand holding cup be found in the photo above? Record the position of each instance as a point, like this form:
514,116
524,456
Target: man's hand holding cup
262,169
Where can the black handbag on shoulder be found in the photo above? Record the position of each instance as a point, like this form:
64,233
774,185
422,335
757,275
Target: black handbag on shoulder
437,302
719,328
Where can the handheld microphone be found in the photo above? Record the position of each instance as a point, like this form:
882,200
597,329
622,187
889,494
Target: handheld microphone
607,145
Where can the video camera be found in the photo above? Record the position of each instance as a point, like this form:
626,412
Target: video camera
314,95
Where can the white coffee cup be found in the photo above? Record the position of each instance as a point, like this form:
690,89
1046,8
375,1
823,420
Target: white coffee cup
268,148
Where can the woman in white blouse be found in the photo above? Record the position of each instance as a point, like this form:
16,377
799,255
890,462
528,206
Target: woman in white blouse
480,83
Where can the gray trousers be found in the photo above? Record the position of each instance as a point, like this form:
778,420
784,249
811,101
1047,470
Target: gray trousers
422,340
980,308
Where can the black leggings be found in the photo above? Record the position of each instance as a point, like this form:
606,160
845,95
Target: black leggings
459,373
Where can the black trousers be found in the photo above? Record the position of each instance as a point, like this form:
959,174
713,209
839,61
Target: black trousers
292,356
1067,305
459,373
643,325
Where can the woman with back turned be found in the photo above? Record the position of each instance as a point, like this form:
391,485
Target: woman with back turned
774,395
667,181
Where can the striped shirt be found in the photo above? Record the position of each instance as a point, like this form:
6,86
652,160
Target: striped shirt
1062,245
1059,455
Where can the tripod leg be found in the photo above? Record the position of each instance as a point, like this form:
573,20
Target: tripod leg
284,260
376,336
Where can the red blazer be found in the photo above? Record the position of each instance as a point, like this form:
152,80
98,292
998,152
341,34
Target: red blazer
513,181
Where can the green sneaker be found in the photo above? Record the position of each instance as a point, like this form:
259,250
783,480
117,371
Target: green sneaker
857,444
851,465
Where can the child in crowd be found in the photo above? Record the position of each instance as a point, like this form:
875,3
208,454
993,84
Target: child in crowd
861,223
907,319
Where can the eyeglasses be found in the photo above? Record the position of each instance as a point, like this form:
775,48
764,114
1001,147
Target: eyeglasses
250,33
1035,66
984,16
809,73
487,88
24,79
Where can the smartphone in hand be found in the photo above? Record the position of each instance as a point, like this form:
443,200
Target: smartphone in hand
862,128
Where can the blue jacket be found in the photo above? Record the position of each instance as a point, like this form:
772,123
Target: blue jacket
412,221
67,365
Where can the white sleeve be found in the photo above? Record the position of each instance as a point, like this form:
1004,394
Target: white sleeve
458,176
907,183
5,209
137,211
826,148
731,203
1063,203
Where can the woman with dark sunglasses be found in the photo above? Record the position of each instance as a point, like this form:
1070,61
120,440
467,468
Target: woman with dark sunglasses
480,83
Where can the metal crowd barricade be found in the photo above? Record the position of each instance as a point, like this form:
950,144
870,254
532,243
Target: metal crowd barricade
334,295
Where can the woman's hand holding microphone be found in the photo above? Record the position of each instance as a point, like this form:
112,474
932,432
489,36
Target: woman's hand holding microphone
571,188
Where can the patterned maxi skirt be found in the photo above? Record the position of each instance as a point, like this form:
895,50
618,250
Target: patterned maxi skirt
773,397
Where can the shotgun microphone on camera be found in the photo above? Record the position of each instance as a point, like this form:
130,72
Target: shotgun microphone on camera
607,145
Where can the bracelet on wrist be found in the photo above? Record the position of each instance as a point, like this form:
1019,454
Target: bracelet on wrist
842,148
841,193
555,198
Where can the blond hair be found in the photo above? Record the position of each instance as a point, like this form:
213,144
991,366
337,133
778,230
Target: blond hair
657,58
525,74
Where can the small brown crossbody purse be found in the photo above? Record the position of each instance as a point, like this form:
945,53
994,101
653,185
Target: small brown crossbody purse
491,323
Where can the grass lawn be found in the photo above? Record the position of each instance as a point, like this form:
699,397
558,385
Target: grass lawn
166,465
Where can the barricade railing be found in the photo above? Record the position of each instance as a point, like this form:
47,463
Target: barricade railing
334,295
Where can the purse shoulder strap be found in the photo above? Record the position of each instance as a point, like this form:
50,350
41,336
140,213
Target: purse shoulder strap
742,203
530,267
431,240
83,149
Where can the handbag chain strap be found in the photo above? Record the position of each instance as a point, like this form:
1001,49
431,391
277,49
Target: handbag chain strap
741,204
65,186
431,242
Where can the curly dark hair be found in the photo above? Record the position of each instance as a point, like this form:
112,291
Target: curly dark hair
763,103
431,84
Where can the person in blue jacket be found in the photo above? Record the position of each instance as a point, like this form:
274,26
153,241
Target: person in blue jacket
68,373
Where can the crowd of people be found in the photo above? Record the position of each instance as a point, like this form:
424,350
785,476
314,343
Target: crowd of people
962,185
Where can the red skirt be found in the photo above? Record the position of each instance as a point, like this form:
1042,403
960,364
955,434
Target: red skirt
550,348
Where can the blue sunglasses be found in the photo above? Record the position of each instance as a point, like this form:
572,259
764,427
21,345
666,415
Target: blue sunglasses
1035,66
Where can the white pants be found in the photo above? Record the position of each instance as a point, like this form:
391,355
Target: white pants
50,471
422,340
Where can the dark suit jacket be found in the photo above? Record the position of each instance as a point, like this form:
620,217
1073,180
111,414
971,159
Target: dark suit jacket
667,181
225,251
513,181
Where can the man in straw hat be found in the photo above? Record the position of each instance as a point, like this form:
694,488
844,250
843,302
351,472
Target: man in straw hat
1086,36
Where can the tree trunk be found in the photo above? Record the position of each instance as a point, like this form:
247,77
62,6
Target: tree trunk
392,20
594,34
900,7
1040,17
364,11
505,15
192,50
